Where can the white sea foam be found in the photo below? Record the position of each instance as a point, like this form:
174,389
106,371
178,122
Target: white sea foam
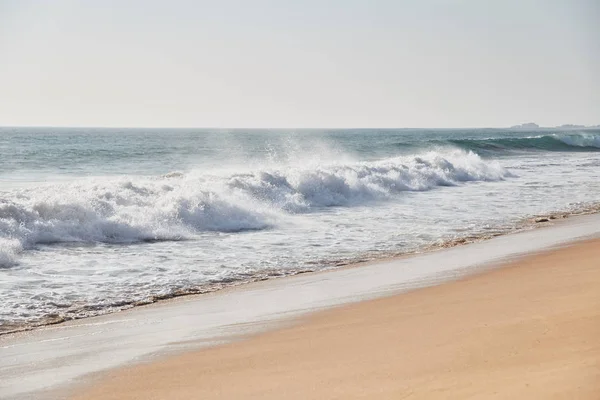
94,223
347,184
9,249
178,206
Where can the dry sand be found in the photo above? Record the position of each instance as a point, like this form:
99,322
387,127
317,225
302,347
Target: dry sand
529,330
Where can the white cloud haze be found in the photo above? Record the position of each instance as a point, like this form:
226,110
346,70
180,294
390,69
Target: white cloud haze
299,63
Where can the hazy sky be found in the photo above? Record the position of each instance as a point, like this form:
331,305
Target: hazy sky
299,63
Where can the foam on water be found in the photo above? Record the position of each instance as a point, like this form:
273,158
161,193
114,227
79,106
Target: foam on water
97,220
176,206
9,248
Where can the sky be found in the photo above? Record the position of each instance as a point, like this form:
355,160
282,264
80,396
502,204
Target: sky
299,64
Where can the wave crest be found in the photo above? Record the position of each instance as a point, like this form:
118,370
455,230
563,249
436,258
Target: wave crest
555,142
175,207
301,190
580,140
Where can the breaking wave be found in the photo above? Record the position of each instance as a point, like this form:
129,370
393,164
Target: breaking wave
555,142
179,206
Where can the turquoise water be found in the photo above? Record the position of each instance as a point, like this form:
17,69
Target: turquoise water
96,220
38,153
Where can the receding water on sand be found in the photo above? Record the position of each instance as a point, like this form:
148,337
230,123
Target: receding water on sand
62,354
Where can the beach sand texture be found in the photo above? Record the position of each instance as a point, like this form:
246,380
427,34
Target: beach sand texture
528,330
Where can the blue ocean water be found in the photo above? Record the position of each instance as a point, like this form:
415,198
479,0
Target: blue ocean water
96,220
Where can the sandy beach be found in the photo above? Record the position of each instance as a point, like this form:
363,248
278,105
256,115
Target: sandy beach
299,200
529,329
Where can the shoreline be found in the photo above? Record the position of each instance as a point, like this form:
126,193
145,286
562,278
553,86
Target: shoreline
528,329
530,223
165,326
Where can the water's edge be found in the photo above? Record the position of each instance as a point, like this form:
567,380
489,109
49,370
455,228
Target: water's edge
61,355
523,225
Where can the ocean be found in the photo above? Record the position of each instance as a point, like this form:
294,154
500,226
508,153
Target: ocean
98,220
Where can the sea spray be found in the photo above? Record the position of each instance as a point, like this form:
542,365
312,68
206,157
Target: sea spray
94,221
175,207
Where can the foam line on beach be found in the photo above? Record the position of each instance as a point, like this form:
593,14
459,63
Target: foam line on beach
33,361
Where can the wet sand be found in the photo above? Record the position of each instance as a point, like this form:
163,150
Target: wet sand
530,329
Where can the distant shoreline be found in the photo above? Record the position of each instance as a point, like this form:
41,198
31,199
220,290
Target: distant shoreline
266,128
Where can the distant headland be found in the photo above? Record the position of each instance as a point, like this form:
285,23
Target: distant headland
533,125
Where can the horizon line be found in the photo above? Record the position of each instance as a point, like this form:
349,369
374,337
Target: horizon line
575,126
